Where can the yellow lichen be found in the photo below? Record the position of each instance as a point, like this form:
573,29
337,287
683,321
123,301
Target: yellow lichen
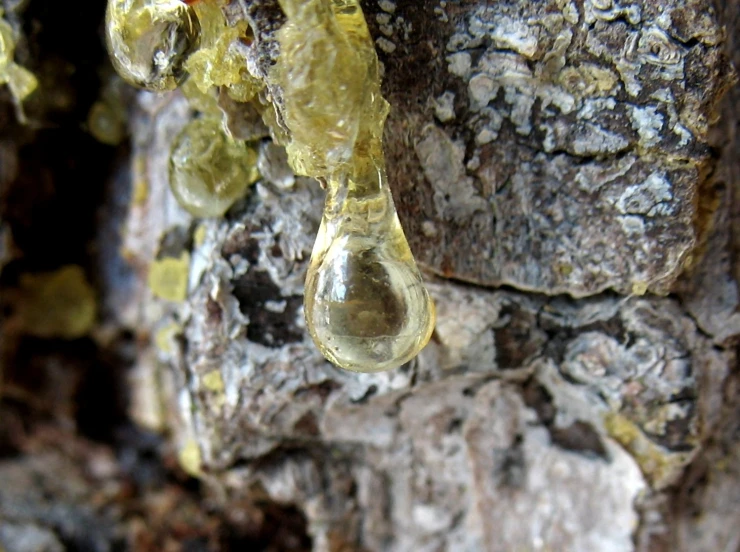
58,304
659,465
190,458
141,191
165,336
214,382
199,236
168,277
588,80
639,288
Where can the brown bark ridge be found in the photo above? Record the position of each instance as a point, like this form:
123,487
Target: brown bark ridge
560,175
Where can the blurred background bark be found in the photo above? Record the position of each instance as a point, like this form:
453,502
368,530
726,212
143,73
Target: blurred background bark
567,174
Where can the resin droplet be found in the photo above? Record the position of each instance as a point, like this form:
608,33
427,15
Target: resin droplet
20,81
366,305
209,170
149,40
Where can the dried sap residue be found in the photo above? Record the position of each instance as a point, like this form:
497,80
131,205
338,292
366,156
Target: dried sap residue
218,61
366,305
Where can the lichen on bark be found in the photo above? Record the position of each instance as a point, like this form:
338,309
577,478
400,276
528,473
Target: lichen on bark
561,155
553,147
562,112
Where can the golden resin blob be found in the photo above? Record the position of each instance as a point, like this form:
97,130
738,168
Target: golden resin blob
149,40
366,305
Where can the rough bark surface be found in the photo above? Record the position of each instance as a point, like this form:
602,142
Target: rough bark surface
562,151
537,116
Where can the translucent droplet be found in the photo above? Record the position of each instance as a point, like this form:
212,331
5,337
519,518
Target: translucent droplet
209,171
366,305
149,40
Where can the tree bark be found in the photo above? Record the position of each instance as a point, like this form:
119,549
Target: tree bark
566,175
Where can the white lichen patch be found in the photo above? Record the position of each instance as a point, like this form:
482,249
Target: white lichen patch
441,14
383,18
485,136
569,10
667,101
444,107
442,161
482,89
592,177
549,143
651,198
648,123
609,10
506,32
585,138
518,68
594,108
657,48
459,64
386,45
487,128
591,139
606,81
387,6
521,109
705,28
392,26
505,67
632,225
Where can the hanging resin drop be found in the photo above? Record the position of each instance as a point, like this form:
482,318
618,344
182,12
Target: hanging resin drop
366,305
149,40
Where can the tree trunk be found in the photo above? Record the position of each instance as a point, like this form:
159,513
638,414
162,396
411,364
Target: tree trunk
565,172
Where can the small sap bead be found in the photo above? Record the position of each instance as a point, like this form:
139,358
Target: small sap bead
149,40
366,307
209,171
